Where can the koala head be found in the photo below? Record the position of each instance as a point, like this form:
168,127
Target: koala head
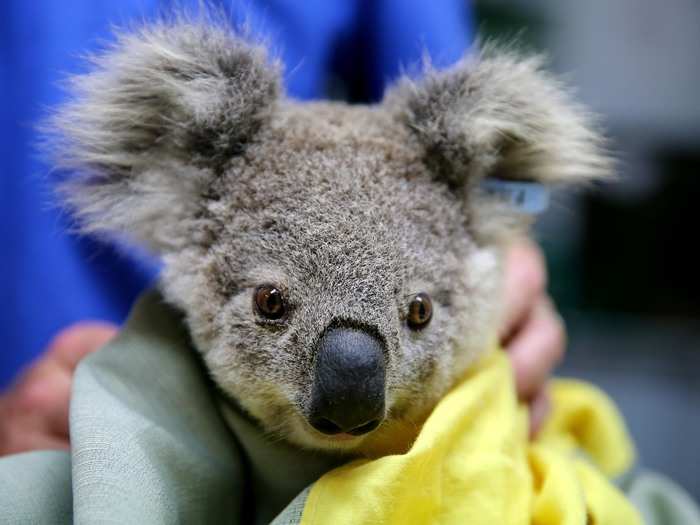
338,266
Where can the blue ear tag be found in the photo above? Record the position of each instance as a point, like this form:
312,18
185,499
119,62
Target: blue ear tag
527,197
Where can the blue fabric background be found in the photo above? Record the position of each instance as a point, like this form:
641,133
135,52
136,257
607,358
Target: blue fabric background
50,278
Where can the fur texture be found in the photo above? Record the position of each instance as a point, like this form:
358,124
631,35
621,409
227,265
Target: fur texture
182,138
161,100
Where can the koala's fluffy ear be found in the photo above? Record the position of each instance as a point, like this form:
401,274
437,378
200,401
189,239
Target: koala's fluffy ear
500,115
152,123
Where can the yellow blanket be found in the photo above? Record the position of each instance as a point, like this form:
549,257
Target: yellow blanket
472,463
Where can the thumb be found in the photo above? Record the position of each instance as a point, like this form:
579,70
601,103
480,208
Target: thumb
78,340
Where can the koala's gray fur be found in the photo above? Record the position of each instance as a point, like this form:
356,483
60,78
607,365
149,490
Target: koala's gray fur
183,139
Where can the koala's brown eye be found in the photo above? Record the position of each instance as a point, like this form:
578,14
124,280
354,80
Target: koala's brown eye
420,311
269,301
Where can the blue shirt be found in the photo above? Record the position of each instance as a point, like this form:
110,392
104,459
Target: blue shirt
50,278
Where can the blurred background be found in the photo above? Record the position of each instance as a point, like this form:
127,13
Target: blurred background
623,268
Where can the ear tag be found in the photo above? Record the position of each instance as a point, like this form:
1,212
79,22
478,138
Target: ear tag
527,197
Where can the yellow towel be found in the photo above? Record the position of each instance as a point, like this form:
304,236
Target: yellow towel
472,463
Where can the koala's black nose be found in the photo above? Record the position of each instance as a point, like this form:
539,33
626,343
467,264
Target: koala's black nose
348,389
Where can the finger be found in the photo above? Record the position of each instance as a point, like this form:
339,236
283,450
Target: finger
539,410
537,348
42,399
524,283
19,440
79,340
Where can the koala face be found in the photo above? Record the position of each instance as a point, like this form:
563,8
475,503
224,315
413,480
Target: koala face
338,266
341,287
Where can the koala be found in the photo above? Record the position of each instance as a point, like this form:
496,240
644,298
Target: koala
338,266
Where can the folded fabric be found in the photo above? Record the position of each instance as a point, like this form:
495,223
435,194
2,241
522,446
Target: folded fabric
150,445
472,463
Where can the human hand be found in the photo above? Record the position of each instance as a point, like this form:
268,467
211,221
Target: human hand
34,411
532,331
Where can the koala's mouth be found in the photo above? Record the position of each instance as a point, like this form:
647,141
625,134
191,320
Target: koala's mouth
342,441
343,437
330,428
391,436
332,433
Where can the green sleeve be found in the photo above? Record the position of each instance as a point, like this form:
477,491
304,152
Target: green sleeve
661,501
